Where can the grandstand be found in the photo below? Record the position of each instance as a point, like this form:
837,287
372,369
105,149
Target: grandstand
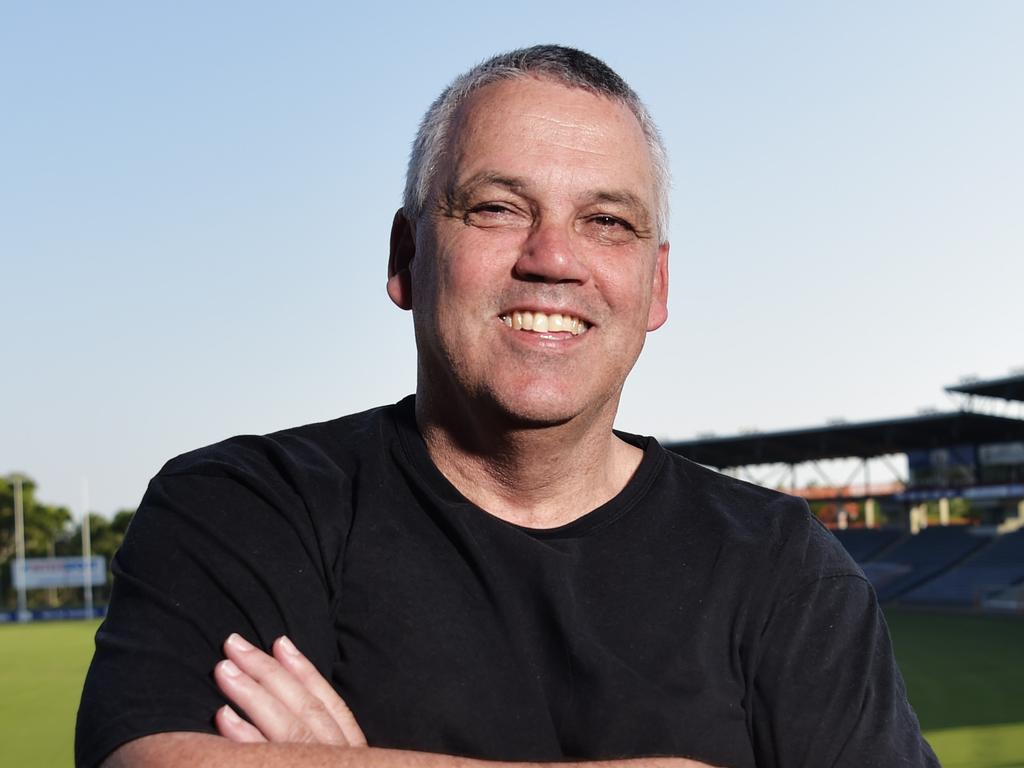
921,557
969,456
992,570
1010,599
863,544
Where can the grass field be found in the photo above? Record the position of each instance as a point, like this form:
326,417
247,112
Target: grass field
966,680
42,667
964,675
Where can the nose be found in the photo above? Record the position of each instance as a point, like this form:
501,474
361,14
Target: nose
548,255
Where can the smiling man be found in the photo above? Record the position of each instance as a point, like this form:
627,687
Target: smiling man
486,570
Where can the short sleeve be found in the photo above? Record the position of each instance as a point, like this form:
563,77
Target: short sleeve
827,690
207,554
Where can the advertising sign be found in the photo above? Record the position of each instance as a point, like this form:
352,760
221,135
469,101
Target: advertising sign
940,460
58,572
996,454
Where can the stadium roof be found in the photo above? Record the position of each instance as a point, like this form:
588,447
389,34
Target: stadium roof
1008,387
863,440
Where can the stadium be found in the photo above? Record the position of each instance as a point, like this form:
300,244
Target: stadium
953,532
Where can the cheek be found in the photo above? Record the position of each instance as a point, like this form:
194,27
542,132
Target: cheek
470,278
626,288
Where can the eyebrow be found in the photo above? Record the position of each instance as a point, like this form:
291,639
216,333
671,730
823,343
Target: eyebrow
622,197
457,195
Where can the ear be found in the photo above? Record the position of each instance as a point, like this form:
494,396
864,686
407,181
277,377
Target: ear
403,248
658,312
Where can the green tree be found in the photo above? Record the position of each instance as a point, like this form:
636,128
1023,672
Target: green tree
50,530
45,524
105,535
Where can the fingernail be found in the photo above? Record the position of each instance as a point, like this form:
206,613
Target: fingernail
288,646
230,716
238,642
230,669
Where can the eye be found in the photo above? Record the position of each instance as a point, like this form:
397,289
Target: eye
610,221
608,228
493,214
494,208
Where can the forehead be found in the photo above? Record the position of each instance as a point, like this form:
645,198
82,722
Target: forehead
541,130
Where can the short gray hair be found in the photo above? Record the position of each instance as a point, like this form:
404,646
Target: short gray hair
568,66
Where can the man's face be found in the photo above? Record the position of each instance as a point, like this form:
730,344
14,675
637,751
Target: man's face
543,207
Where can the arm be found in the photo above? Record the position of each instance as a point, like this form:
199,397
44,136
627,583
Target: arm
297,720
828,691
170,750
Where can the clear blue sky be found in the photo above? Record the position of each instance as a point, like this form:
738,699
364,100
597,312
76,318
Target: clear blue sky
195,201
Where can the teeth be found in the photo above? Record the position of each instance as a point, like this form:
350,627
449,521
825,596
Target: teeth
538,322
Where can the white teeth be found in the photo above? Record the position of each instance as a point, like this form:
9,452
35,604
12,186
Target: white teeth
538,322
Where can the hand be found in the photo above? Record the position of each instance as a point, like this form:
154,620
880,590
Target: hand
284,696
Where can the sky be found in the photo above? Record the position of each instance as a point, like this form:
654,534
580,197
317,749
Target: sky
195,202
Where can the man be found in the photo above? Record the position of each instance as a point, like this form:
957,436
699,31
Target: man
487,570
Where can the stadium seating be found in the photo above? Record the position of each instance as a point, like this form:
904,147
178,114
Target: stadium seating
1011,599
987,573
916,559
865,543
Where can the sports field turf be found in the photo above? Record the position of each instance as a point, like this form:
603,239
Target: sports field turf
966,681
964,675
42,667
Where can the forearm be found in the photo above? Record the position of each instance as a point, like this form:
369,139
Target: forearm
194,750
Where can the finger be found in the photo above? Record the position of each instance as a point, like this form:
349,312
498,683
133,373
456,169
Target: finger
232,727
275,701
302,668
271,717
275,698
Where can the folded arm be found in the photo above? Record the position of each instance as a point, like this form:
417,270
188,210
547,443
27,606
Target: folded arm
169,750
297,719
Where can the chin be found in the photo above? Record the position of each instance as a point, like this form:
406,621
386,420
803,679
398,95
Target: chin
537,418
540,410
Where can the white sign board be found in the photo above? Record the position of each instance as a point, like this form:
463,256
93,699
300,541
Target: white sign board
58,572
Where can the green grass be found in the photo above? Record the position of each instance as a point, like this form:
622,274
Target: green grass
42,668
963,673
966,682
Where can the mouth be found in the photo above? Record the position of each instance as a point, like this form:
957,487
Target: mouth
543,322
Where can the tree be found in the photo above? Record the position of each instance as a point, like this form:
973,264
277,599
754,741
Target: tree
50,530
44,524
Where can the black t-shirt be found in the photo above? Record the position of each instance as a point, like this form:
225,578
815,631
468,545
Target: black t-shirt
692,615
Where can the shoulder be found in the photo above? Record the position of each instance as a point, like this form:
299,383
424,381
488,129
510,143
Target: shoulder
764,524
295,455
298,479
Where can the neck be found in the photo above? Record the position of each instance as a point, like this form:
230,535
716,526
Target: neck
534,476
